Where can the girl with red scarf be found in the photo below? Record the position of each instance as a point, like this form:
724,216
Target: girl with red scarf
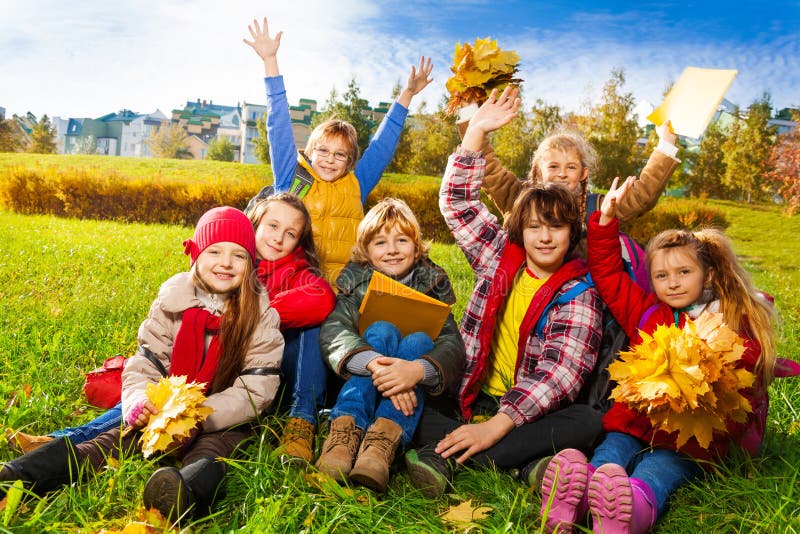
213,325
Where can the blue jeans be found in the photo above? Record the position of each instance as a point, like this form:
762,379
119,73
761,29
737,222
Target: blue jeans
662,469
360,399
104,422
304,373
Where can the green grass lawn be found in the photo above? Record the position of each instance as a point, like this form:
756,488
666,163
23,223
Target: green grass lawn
74,293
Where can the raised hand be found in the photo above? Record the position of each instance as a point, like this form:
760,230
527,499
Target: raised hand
495,113
666,133
418,79
264,45
608,208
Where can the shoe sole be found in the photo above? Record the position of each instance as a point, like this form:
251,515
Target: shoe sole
611,500
567,475
425,478
367,479
166,491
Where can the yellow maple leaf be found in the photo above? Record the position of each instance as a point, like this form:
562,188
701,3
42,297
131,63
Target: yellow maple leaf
180,410
685,380
477,70
465,514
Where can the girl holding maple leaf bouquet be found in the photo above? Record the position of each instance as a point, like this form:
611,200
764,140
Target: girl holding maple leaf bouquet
211,330
693,383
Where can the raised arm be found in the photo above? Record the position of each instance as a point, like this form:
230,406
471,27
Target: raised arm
282,150
380,151
644,192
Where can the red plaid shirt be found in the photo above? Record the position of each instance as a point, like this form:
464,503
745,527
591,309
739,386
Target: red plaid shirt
549,371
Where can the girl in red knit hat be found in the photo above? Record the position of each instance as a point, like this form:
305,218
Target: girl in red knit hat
212,324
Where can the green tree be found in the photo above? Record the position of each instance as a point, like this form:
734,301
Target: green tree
85,145
707,165
433,139
351,108
516,142
611,127
43,139
220,149
261,143
169,141
747,151
11,139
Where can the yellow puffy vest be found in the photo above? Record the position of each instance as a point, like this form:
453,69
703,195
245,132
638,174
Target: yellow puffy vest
335,209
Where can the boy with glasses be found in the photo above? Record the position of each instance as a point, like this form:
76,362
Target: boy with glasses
328,174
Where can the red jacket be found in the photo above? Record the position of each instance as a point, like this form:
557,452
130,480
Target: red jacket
628,303
302,298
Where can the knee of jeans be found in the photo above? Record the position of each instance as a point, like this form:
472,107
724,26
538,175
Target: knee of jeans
415,345
383,336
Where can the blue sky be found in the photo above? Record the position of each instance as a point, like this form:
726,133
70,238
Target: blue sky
89,58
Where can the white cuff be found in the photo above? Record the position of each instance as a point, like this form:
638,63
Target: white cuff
465,113
667,148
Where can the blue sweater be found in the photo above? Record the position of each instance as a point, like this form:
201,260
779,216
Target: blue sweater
283,153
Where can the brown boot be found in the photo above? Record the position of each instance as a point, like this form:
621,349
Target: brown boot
25,443
376,455
297,440
339,449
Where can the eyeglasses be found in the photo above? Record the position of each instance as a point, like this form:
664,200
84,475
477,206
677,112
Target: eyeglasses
338,156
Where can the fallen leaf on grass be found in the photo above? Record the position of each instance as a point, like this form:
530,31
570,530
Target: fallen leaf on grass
147,521
465,514
27,390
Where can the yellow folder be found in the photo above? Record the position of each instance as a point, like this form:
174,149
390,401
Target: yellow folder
409,310
693,100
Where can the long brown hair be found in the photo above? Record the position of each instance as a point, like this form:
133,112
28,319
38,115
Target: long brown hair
743,307
239,320
256,212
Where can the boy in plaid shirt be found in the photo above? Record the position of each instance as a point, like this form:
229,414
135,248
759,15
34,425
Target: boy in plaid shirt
532,327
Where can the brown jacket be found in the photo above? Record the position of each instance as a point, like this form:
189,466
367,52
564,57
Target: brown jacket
247,398
503,186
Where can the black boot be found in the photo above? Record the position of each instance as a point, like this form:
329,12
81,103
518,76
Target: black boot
428,471
47,468
177,493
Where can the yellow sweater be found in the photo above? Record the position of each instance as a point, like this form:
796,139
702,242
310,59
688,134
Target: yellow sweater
335,209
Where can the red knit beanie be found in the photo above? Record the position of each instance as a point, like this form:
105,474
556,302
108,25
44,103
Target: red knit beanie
221,224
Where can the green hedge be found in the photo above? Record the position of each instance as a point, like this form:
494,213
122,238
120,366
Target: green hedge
87,193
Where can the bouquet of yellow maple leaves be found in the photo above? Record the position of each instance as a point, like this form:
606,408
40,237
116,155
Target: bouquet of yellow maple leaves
477,69
179,413
686,379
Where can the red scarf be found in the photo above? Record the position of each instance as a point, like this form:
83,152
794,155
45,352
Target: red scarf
189,357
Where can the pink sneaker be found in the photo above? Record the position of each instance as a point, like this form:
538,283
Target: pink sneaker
619,504
565,479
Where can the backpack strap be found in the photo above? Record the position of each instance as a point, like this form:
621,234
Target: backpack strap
302,182
647,313
563,298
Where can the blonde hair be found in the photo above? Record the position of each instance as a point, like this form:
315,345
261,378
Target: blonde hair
565,140
257,211
742,306
239,321
386,214
336,129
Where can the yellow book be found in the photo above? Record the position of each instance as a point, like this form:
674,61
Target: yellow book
693,100
409,310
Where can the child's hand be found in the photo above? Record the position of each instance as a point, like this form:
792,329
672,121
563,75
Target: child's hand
392,376
609,207
417,81
264,45
139,416
665,132
495,113
405,402
474,437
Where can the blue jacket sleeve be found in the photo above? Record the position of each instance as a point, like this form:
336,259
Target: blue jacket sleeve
282,150
380,150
